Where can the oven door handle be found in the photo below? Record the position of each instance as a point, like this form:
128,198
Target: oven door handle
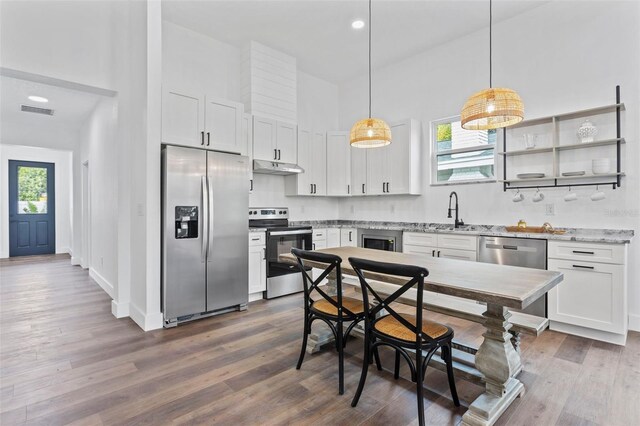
298,232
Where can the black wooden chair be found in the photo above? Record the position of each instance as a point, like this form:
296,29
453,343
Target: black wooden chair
399,331
332,310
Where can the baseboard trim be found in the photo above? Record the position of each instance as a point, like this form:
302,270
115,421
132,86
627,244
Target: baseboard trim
75,261
603,336
119,310
102,282
4,255
634,322
255,296
147,322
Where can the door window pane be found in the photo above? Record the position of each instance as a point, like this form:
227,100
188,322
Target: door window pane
32,190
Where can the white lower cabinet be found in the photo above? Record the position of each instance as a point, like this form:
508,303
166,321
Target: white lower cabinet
333,237
591,300
348,237
257,264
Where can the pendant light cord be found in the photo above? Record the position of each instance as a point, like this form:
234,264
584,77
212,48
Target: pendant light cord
490,45
369,58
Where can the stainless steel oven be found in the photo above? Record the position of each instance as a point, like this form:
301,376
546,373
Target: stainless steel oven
282,278
381,239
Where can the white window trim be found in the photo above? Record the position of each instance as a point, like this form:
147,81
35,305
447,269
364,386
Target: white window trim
434,156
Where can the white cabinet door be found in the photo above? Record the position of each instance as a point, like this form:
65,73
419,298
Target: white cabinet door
359,171
182,118
348,237
247,141
398,158
319,163
338,163
591,295
286,142
264,139
257,269
376,170
223,125
333,237
456,254
305,160
419,249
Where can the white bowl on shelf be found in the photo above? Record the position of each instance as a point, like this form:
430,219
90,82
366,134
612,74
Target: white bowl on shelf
601,166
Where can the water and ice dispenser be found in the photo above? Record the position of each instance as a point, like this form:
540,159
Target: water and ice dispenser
186,222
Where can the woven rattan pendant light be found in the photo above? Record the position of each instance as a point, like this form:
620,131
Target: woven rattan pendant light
370,132
492,108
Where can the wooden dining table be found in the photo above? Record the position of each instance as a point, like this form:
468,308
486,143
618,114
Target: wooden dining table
500,287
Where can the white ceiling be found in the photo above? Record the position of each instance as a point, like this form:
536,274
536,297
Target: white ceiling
71,110
319,34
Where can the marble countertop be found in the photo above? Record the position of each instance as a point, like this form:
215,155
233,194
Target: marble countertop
615,236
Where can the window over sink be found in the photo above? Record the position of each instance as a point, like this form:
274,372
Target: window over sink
459,155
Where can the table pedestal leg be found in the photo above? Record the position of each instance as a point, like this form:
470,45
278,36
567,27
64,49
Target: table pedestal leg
321,335
499,362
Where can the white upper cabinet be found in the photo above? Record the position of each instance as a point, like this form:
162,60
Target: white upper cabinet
223,125
182,118
264,139
359,171
286,142
338,164
274,140
395,168
312,157
202,121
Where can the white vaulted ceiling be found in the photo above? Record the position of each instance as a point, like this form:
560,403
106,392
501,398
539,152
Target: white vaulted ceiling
319,34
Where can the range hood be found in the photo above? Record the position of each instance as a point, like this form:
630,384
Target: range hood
275,168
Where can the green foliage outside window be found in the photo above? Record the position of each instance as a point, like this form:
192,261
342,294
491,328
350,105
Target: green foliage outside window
444,132
32,183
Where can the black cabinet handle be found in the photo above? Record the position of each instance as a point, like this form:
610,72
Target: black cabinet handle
387,187
348,189
251,183
208,138
363,188
310,188
275,154
583,267
583,252
255,239
438,253
278,154
202,138
314,245
350,232
264,253
433,253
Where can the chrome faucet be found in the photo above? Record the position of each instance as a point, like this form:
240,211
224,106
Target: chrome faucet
457,222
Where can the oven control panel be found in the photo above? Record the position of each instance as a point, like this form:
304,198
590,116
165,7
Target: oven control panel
268,213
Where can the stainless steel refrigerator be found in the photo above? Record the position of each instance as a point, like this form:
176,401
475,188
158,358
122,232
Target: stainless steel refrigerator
205,198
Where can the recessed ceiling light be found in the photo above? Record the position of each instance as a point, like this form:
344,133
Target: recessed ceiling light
357,24
38,99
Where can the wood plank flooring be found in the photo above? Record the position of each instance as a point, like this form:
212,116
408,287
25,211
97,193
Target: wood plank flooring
64,359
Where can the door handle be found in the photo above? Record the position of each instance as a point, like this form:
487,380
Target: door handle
208,138
204,216
211,215
202,138
510,247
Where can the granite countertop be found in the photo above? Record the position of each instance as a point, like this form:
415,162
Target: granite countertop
616,236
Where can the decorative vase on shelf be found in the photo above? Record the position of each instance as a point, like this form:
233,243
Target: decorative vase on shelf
587,131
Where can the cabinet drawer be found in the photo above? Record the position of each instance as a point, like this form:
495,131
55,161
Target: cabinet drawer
256,239
319,234
591,295
589,252
456,254
461,242
419,239
413,249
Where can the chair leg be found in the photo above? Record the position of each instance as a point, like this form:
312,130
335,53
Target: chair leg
365,366
452,380
396,371
304,343
376,355
340,359
419,389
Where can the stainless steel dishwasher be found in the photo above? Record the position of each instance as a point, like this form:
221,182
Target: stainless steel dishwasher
526,252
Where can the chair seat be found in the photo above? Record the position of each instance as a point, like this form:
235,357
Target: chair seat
392,327
324,306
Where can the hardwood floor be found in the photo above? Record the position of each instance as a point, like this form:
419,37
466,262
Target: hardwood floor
64,359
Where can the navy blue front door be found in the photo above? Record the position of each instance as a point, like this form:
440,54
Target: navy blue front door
31,208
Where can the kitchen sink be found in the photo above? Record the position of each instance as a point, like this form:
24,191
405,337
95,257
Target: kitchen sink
533,230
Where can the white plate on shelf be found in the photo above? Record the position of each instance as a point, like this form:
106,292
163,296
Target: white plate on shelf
576,173
530,175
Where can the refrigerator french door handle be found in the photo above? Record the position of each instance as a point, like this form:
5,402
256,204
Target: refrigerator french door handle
211,214
204,219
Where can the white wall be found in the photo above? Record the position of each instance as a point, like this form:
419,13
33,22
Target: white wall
63,191
560,57
97,147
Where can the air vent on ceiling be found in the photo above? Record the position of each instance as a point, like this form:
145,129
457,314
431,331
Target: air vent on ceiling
36,110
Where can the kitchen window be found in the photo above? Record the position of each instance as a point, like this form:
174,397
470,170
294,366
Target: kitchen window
459,155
